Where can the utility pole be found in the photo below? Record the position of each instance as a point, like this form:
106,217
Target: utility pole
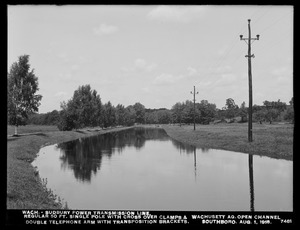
194,106
249,56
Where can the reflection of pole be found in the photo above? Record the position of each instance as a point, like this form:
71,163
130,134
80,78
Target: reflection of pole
251,181
195,164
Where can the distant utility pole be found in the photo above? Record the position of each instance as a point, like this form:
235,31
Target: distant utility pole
249,56
194,106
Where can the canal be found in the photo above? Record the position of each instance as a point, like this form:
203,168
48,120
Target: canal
145,169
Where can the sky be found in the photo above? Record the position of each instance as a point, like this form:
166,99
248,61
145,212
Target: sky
154,54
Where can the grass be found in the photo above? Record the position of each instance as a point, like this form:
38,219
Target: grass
275,140
25,189
31,129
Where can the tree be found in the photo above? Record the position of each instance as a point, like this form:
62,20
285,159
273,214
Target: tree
231,108
289,115
85,104
67,119
260,115
163,116
271,114
274,108
280,106
120,114
230,104
109,115
206,112
82,110
243,112
188,112
177,112
50,118
130,115
22,87
151,117
140,112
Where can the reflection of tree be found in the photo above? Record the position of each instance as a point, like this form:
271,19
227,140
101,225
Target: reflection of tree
251,182
84,156
183,147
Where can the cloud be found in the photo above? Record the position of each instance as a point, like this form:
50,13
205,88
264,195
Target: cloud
226,79
191,71
63,56
143,65
140,65
65,76
282,71
146,89
204,84
224,69
176,13
105,29
60,94
283,75
74,67
166,78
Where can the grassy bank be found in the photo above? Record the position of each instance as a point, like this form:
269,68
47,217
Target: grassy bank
275,140
25,189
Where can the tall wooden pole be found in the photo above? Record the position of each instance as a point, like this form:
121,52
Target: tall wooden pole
194,107
249,56
250,139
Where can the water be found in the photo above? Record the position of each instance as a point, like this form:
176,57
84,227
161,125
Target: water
144,169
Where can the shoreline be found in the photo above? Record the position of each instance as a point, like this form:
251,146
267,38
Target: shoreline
26,190
275,141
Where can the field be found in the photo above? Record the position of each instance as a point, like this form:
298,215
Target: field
25,189
275,140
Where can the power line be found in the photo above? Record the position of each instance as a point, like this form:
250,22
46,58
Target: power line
275,22
266,11
227,51
225,54
262,15
216,65
274,43
222,58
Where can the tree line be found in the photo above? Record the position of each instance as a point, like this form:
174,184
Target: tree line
85,108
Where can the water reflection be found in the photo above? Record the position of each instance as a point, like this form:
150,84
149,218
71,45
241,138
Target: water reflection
251,182
186,148
195,164
84,156
144,169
